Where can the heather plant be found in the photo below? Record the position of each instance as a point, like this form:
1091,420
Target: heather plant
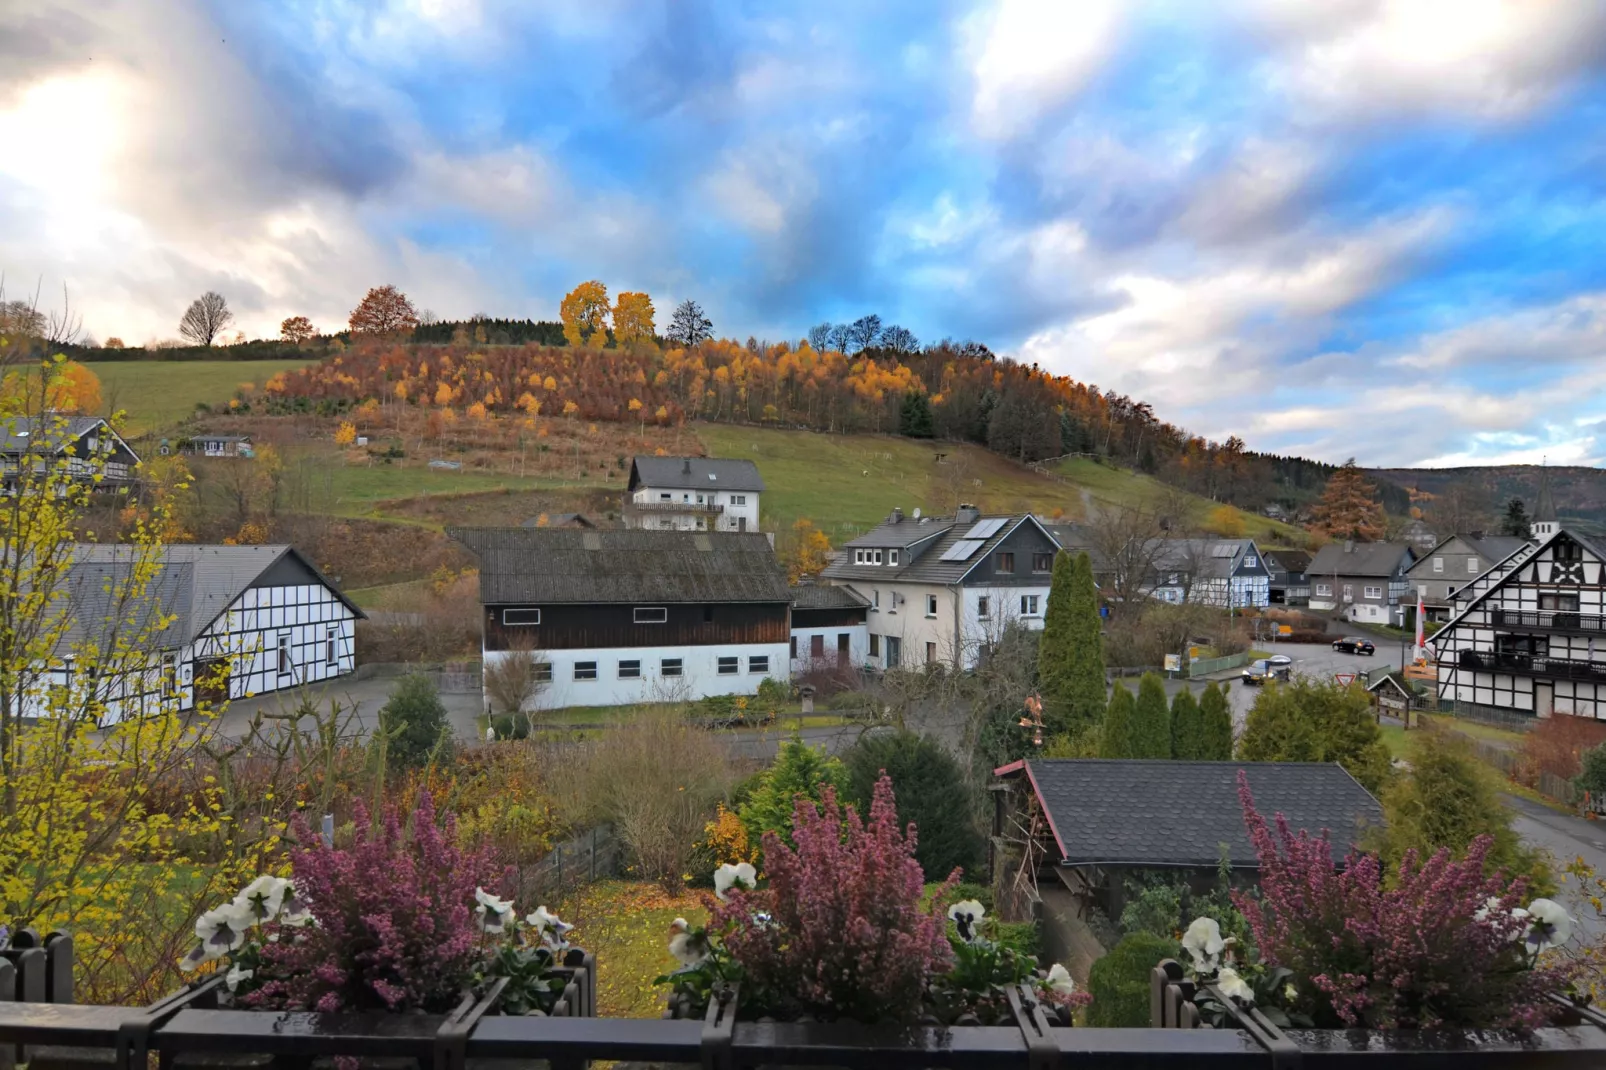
1443,944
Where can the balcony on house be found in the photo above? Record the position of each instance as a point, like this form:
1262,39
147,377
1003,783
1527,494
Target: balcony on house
1534,664
1547,620
686,508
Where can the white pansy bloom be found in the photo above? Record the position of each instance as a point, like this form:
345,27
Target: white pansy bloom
223,930
1549,925
730,875
1234,987
292,908
1204,944
236,977
494,913
549,927
1059,981
689,948
967,915
264,897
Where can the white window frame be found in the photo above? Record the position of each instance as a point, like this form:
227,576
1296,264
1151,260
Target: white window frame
1324,589
892,557
1438,564
286,661
858,557
759,663
738,499
585,666
1472,566
1028,605
734,661
543,672
1372,591
875,599
672,667
931,605
331,647
637,618
875,557
1250,561
630,669
509,622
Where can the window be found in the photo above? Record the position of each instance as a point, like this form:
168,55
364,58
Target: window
892,557
1006,562
794,647
931,605
738,499
1028,605
1249,561
875,556
931,653
858,557
543,672
1370,591
875,645
1349,592
630,670
669,667
585,670
1472,566
708,613
1567,551
331,647
1438,564
981,607
517,617
650,614
666,497
169,674
758,663
894,651
1324,588
1566,603
1042,562
816,647
875,599
730,666
284,653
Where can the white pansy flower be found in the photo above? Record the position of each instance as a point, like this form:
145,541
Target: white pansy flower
549,927
263,898
222,930
494,913
967,915
1059,981
1234,987
1549,925
689,948
1204,944
236,977
729,875
292,908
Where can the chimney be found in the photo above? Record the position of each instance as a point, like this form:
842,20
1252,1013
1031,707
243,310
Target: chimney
1349,546
966,514
685,466
897,515
1477,534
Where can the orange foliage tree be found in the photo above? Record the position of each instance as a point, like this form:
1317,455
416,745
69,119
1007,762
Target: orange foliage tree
68,387
299,329
584,312
633,318
1349,508
809,553
385,310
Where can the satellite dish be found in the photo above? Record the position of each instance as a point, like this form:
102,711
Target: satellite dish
917,514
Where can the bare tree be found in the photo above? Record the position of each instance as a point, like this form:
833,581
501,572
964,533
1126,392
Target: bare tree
206,318
513,680
1460,507
1130,540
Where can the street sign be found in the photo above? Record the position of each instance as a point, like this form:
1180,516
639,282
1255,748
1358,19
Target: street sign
1344,678
1285,629
1173,663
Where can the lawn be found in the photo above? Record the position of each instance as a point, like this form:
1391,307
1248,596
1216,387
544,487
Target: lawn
1120,486
626,925
157,394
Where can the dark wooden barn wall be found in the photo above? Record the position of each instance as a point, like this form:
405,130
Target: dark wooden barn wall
572,627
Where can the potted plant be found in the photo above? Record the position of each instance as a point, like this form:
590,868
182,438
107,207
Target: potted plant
842,931
399,922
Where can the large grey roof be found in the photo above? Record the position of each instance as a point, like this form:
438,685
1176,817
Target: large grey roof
15,432
815,596
928,566
565,565
1172,813
1206,558
1365,559
905,532
694,473
1492,548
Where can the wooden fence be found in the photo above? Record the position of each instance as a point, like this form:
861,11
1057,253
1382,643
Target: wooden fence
590,856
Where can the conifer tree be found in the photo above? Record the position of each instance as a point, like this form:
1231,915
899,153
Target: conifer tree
1349,508
914,417
1215,718
1151,720
1070,656
1187,727
1116,739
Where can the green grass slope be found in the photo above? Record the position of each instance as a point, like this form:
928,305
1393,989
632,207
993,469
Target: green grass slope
157,394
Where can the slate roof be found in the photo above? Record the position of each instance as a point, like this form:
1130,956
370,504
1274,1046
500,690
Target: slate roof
927,565
1213,558
1077,539
813,596
1170,813
1492,548
16,431
694,473
561,520
1293,561
1366,559
566,565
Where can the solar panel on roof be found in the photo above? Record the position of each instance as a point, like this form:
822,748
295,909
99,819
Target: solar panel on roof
1223,549
961,550
986,529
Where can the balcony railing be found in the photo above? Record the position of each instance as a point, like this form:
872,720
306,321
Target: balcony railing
1534,665
674,507
1559,620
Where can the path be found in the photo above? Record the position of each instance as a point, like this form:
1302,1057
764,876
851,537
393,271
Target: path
1566,837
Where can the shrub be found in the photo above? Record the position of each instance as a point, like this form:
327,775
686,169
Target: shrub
1313,721
1592,775
1115,739
413,722
799,769
513,680
511,726
929,788
1556,745
1119,981
773,693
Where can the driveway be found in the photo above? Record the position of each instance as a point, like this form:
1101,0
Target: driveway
362,698
1310,659
1566,837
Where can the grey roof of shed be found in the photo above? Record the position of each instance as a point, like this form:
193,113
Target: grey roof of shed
814,596
567,565
1171,813
694,473
1289,560
1366,559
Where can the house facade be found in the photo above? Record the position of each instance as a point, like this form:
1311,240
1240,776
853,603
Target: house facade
1365,581
830,628
1452,565
692,494
90,447
631,616
943,590
1289,579
1225,573
210,445
213,623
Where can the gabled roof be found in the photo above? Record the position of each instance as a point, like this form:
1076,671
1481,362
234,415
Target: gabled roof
1206,558
17,432
1498,577
1077,539
1363,559
928,565
566,565
694,473
814,596
1172,813
1492,548
1289,560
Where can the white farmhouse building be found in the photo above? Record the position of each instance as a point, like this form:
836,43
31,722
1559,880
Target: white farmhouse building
692,494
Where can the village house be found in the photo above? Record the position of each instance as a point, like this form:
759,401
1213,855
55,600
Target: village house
625,616
692,494
1453,564
219,622
211,445
88,443
1365,581
830,628
1225,573
943,590
1289,577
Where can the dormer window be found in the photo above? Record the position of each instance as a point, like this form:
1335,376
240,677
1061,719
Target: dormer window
875,556
892,557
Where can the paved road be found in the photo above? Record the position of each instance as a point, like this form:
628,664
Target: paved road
1310,659
1566,837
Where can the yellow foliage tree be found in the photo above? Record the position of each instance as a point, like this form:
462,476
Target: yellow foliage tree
1226,521
584,312
633,318
810,551
346,434
58,386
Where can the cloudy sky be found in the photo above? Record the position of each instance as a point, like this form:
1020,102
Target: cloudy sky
1334,227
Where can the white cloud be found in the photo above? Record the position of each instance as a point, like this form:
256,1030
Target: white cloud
760,188
1027,56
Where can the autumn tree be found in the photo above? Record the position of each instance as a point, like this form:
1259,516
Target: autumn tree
584,312
810,551
113,342
633,318
864,331
689,326
1349,508
384,310
205,318
899,339
20,319
1226,521
297,330
66,387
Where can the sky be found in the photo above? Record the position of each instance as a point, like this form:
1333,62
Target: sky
1337,228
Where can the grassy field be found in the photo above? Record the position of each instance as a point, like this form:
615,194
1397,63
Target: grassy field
626,924
158,394
1121,486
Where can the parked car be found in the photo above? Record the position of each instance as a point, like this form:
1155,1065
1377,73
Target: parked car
1354,644
1259,672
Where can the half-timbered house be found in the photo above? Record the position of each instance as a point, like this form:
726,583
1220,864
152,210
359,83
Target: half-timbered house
629,616
91,449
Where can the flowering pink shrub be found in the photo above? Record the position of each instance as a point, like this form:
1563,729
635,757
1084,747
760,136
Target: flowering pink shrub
1439,947
393,924
839,932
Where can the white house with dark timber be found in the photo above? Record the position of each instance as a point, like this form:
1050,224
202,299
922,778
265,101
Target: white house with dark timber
1225,573
207,624
692,494
629,616
90,449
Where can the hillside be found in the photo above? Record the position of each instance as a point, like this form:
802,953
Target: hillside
158,394
1579,491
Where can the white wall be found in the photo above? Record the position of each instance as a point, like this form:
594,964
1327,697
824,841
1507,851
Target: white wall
1003,609
957,631
699,667
730,520
858,645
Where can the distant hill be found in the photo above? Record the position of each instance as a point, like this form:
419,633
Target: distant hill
1579,492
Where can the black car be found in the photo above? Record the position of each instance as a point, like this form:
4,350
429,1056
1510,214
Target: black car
1352,644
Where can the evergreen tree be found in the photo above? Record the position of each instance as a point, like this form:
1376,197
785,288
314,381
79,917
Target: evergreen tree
1349,508
1086,689
1187,727
1215,717
1516,522
1310,721
923,778
1277,730
799,769
1151,720
914,418
1116,739
415,721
